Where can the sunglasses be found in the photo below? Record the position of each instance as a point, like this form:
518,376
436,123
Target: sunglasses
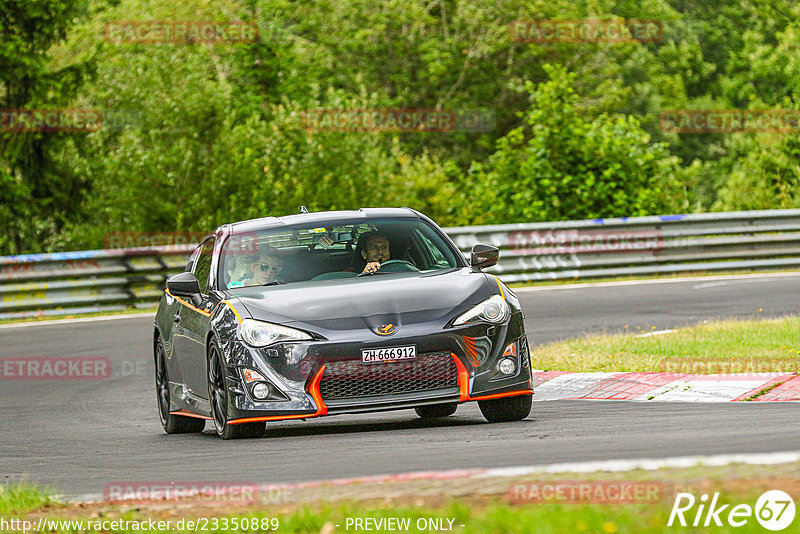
266,267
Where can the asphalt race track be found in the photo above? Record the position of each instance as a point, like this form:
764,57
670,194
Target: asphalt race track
78,436
559,312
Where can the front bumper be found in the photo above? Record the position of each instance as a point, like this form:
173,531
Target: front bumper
299,369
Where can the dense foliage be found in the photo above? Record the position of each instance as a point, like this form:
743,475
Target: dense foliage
195,135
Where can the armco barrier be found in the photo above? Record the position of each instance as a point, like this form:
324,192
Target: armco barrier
86,281
95,280
660,244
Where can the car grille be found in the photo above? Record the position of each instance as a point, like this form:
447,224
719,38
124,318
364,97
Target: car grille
353,379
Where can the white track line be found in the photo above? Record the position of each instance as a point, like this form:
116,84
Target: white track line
76,320
769,458
655,281
656,333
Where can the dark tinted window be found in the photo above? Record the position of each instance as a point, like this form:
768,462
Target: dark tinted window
192,258
329,251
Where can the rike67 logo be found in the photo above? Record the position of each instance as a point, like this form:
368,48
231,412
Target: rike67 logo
774,510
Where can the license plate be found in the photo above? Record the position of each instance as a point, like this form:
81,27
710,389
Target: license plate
389,354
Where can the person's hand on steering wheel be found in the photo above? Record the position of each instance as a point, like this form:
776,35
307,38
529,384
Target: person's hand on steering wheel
375,251
372,267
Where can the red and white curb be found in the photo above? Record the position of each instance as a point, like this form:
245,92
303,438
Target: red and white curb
677,387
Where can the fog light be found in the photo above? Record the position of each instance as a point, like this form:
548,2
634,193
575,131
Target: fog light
507,366
261,390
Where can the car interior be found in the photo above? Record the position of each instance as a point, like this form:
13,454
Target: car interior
335,252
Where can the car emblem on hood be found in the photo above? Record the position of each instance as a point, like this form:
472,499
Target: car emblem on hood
385,330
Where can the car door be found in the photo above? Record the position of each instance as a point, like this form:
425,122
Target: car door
194,323
173,331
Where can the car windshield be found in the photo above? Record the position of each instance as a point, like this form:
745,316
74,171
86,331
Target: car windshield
341,249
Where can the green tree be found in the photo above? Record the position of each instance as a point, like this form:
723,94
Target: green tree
762,170
562,166
767,176
212,133
38,193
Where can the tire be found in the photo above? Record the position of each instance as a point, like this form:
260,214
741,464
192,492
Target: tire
433,411
173,424
218,397
506,409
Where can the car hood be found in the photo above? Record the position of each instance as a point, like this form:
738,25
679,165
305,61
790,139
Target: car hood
353,303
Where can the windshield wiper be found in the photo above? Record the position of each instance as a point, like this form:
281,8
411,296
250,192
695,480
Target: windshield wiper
272,283
375,273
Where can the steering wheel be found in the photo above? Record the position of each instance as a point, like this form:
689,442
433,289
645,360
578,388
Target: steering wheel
395,266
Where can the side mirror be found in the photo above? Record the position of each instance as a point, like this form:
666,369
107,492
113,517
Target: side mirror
184,285
484,256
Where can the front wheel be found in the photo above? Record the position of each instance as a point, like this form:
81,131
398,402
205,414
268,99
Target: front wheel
173,424
218,394
506,409
433,411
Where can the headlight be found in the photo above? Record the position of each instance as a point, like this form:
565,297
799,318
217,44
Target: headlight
260,334
492,310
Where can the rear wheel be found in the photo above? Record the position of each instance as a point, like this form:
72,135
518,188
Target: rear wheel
218,395
433,411
173,424
506,409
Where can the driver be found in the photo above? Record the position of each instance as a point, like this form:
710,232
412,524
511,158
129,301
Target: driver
374,251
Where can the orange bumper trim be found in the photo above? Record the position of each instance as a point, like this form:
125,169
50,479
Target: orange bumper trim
463,386
313,390
185,413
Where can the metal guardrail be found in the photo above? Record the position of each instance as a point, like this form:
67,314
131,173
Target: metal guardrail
661,244
97,280
86,281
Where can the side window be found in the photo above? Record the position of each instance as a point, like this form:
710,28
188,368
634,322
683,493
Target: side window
433,250
202,269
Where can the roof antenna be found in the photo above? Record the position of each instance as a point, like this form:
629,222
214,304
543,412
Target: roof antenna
303,209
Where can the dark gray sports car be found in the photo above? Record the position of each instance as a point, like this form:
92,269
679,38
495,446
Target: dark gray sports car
336,312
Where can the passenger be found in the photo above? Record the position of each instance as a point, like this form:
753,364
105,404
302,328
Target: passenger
260,268
267,266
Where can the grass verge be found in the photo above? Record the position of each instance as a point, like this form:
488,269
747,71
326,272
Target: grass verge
729,346
21,498
480,506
